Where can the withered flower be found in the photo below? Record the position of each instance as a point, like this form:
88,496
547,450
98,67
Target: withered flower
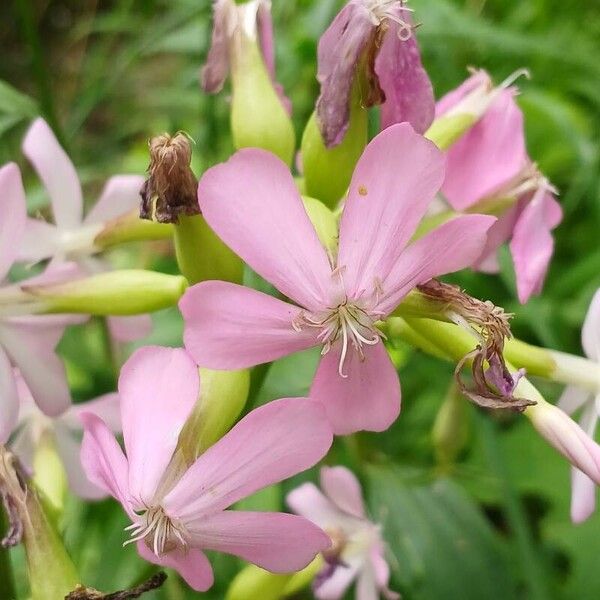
170,190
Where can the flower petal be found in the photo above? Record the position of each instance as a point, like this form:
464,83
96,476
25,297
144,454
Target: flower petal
107,407
489,155
395,180
293,436
572,399
478,79
121,194
342,486
367,399
41,240
215,70
335,586
57,172
158,388
229,326
30,344
453,246
590,332
366,586
103,460
308,501
252,203
13,213
9,398
408,90
190,563
278,542
130,329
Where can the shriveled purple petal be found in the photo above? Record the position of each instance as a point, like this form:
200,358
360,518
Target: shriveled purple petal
216,68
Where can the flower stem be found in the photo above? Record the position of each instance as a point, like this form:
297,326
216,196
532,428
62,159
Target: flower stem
7,583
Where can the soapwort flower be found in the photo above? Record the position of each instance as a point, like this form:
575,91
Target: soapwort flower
252,203
357,551
178,509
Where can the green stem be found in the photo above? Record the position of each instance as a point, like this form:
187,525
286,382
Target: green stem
533,570
7,583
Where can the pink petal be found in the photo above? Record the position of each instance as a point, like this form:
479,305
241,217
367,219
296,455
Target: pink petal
57,172
216,68
252,203
572,399
104,462
452,98
489,155
309,502
453,246
366,586
30,344
335,586
218,315
13,213
130,329
408,90
531,247
590,332
107,407
395,180
121,194
367,399
9,399
273,442
343,488
158,388
190,563
381,569
278,542
41,240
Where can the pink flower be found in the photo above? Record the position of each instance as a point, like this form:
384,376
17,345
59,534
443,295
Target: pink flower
65,433
71,236
375,36
583,495
178,510
357,552
490,162
26,341
251,202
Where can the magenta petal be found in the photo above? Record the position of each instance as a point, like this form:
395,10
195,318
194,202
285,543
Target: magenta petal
342,486
367,399
408,90
278,542
531,247
158,388
57,172
120,195
394,181
453,246
13,213
488,156
590,332
229,326
190,563
9,398
252,203
216,68
269,444
130,329
103,460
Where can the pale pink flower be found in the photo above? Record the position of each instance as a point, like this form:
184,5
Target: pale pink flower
177,509
583,495
26,341
71,236
490,162
252,203
64,431
375,36
357,551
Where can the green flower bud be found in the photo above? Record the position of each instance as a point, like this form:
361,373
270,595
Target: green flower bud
49,475
130,228
254,583
444,131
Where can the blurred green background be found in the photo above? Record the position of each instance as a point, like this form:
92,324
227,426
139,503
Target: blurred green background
109,74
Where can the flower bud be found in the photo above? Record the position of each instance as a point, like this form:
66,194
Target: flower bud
223,395
50,476
325,224
451,427
130,228
242,43
125,292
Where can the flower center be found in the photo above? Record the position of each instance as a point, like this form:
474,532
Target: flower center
159,532
349,323
382,10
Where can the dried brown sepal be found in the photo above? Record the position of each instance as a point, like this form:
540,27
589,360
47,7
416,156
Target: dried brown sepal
171,187
493,383
83,593
13,494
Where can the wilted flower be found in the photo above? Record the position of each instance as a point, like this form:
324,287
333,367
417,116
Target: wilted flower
373,40
178,509
71,236
253,205
489,166
357,551
583,497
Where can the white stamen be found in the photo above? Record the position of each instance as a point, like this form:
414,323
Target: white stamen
158,530
382,10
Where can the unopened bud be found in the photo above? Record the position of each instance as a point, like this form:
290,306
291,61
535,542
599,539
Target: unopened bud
171,188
